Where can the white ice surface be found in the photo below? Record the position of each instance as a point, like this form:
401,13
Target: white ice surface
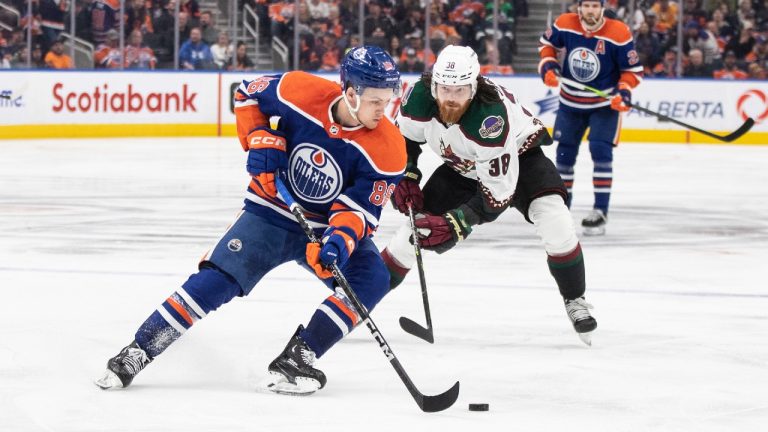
95,234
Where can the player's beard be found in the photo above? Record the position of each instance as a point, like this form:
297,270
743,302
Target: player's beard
451,112
591,22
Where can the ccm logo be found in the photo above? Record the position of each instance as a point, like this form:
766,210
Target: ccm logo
267,141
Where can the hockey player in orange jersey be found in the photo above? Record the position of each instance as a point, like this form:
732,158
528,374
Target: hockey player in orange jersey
343,159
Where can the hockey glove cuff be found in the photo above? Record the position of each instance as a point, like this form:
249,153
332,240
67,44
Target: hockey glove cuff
622,101
408,191
443,231
550,73
266,155
338,243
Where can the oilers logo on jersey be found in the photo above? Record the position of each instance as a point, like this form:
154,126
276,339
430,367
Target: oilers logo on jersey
314,174
583,64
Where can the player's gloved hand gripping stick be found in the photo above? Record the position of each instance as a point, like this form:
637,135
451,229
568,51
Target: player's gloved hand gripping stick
744,128
425,402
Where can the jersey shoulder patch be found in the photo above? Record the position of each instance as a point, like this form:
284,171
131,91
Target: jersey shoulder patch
418,103
384,147
486,124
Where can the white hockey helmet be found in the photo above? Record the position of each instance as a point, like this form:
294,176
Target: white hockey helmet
455,66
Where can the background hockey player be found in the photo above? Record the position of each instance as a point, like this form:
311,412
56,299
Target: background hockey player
599,52
343,159
490,146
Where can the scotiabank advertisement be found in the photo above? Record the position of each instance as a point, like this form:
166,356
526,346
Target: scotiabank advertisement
48,97
89,104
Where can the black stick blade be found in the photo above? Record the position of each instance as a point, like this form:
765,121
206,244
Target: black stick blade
417,330
440,402
740,131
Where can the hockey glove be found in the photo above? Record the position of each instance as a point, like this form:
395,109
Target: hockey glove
338,243
266,155
622,100
550,73
444,231
408,191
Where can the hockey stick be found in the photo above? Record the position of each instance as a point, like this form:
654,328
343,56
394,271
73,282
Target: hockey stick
744,128
426,403
408,324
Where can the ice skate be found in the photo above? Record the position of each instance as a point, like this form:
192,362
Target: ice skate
123,367
583,322
594,223
292,372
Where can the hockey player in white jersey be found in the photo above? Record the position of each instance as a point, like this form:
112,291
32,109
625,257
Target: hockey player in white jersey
490,146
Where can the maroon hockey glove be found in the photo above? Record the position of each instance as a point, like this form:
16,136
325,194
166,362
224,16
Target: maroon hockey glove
444,231
408,191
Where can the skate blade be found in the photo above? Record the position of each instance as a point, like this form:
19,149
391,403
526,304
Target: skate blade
594,231
278,384
586,338
109,381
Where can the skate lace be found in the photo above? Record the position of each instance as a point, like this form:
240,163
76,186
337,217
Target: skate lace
134,361
308,356
578,309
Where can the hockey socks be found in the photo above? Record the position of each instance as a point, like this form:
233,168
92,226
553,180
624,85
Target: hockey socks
568,271
202,293
333,319
567,174
602,180
396,270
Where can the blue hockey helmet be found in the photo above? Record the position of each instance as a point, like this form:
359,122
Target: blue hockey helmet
369,66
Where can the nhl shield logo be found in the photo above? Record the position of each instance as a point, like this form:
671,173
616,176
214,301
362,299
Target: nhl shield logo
314,174
235,245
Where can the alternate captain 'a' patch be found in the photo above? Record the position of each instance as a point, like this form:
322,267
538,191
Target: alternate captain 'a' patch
315,175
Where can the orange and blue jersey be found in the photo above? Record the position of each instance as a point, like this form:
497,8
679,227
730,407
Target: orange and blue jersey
341,176
604,59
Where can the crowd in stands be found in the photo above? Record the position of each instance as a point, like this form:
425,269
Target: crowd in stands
718,41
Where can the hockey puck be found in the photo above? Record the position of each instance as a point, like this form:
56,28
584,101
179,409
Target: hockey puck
478,407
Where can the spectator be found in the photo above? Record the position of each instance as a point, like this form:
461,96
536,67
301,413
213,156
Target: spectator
759,53
410,63
83,20
330,55
104,17
138,18
210,35
491,57
378,28
52,18
185,27
138,56
724,28
308,58
336,25
465,9
667,68
192,9
194,53
730,70
395,47
222,51
281,14
666,15
743,44
756,71
318,9
413,26
108,55
696,67
56,59
704,40
242,61
647,46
